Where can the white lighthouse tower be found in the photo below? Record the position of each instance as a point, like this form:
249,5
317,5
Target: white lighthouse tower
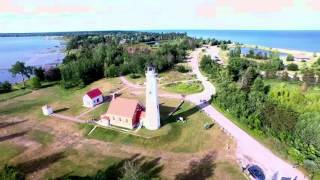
152,118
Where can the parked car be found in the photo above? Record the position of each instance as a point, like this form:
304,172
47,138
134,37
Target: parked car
256,172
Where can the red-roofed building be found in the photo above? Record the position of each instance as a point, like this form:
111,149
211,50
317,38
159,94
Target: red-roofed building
92,98
123,112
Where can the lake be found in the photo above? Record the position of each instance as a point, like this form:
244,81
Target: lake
34,51
294,40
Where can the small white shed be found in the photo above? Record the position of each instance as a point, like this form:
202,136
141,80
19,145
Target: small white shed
47,110
92,98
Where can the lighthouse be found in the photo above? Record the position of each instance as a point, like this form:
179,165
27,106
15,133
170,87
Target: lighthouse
152,116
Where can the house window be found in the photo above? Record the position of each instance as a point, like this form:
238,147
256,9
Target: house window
98,100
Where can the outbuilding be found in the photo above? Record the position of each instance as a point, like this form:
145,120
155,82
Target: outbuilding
123,112
47,110
92,98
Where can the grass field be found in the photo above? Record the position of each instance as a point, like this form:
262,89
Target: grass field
13,94
80,163
41,137
68,102
8,151
184,87
179,137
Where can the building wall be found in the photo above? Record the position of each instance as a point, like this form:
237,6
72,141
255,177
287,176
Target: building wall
88,102
120,121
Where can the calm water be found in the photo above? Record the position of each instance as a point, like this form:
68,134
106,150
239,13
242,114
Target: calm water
34,51
295,40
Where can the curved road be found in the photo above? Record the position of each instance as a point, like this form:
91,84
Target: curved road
249,150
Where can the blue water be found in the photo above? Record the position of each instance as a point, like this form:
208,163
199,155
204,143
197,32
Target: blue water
34,51
295,40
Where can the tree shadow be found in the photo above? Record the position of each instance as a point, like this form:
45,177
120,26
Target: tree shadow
8,124
189,112
151,168
199,169
40,163
61,110
49,84
12,136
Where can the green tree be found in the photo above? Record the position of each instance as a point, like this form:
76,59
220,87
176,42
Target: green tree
5,87
39,72
290,57
308,129
35,83
22,69
11,173
293,67
111,71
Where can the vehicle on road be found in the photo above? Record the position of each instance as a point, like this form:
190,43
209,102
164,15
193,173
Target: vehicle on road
256,172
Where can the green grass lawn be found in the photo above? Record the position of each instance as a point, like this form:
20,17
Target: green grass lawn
226,170
41,137
80,163
8,151
13,94
184,87
59,98
178,136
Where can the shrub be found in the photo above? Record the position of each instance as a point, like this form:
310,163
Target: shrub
11,173
5,87
182,69
293,67
35,83
134,76
290,58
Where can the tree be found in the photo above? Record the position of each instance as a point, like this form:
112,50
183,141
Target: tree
35,83
111,71
248,78
308,129
284,76
290,57
20,68
39,73
11,173
5,87
309,76
293,67
131,171
53,74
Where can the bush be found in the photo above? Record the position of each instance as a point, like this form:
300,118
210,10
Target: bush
290,58
310,166
5,87
134,76
11,173
182,69
53,74
35,83
293,67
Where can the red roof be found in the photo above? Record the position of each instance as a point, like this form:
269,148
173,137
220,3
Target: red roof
123,107
94,93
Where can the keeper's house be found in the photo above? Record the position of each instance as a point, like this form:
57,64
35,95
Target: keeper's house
123,112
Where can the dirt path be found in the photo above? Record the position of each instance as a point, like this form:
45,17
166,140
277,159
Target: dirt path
249,150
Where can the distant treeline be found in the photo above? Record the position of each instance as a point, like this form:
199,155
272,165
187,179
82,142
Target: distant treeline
76,33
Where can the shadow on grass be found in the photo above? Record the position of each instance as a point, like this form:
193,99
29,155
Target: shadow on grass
199,169
150,168
12,136
187,113
61,110
8,124
39,164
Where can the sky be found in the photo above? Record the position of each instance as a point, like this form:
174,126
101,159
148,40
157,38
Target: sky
86,15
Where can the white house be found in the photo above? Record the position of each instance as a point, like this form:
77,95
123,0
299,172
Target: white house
47,110
92,98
